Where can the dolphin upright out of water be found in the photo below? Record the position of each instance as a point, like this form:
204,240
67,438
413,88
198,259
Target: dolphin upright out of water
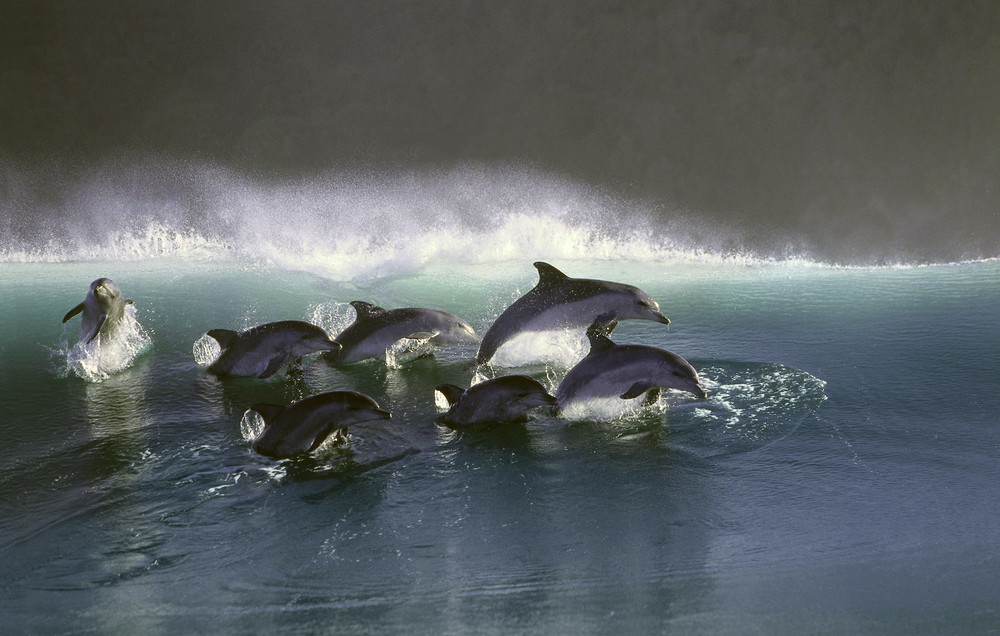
561,302
625,371
506,399
261,350
301,427
375,329
102,310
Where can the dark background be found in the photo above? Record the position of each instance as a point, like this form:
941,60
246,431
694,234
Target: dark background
865,130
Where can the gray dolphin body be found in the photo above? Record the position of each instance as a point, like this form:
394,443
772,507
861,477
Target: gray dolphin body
625,371
301,427
506,399
261,350
561,302
102,310
375,329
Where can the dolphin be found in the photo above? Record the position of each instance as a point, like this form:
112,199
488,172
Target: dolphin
261,350
506,399
102,310
375,329
626,371
301,427
561,302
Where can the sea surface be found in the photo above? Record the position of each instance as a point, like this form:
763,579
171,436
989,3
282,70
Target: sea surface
843,475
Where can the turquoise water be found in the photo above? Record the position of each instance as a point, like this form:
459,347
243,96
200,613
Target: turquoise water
842,475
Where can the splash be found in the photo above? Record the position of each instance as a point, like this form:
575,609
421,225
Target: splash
206,350
103,357
344,226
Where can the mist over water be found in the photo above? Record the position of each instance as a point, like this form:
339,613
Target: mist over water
850,133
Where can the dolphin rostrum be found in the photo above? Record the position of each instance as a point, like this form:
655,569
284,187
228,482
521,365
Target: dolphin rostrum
561,302
625,371
261,350
301,427
102,310
506,399
375,330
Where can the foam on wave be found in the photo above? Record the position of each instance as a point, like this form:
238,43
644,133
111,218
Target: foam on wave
344,225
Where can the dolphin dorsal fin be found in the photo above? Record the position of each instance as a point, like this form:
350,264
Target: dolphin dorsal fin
268,411
599,331
450,392
366,310
225,337
599,341
549,275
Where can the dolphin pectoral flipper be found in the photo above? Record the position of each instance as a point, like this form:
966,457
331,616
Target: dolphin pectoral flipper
97,328
638,389
652,396
72,312
273,366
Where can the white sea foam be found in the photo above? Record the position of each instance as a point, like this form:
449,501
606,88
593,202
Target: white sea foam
102,357
348,226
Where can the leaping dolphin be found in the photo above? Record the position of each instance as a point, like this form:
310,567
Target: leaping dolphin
561,302
625,371
506,399
261,350
102,310
375,329
301,427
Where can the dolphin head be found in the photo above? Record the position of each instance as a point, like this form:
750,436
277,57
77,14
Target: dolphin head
682,376
361,408
105,290
456,330
642,307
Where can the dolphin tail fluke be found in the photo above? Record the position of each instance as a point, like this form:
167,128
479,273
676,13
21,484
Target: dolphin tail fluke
72,312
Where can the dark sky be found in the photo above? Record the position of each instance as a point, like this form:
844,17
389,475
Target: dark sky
868,127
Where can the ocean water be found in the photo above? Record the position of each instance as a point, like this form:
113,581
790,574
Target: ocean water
842,475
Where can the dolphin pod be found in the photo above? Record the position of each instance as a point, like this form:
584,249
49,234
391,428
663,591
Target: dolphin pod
557,301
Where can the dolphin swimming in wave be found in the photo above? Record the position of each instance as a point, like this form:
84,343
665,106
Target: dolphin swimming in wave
625,371
301,427
506,399
102,310
375,330
561,302
260,351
